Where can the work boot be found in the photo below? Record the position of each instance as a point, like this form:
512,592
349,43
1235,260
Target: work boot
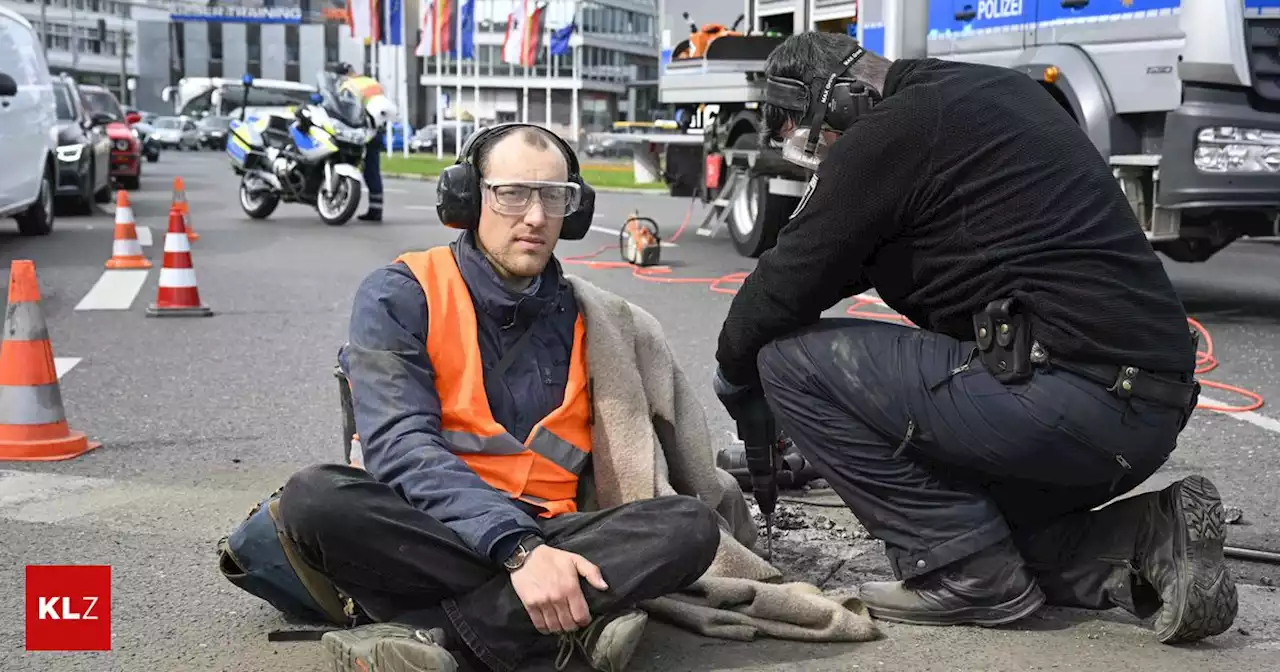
607,643
387,647
371,216
1179,554
991,587
1157,554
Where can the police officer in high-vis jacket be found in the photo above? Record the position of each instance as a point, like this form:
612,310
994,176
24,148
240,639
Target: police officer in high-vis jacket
382,112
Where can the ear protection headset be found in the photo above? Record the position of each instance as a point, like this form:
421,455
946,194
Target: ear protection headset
836,100
459,194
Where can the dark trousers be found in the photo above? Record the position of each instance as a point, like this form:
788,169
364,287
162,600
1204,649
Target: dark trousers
373,170
940,466
400,564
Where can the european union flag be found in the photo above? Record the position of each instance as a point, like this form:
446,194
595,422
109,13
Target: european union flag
560,39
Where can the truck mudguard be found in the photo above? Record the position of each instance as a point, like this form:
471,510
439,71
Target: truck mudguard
1080,83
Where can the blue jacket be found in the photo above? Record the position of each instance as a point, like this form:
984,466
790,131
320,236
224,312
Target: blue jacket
397,411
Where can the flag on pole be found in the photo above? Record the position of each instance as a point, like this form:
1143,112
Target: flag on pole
513,42
390,30
360,18
560,39
438,26
468,32
533,35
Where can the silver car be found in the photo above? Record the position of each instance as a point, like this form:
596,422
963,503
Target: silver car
176,133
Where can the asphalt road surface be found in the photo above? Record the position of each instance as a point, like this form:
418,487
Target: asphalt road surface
199,418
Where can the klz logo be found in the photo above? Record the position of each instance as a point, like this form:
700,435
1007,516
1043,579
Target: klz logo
68,608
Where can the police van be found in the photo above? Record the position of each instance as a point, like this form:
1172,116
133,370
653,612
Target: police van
1181,96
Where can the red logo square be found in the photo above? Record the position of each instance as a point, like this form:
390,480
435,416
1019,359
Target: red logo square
68,607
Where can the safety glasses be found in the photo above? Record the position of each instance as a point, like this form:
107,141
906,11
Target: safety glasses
515,197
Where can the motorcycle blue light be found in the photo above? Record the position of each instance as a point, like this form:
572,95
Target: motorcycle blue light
247,79
317,98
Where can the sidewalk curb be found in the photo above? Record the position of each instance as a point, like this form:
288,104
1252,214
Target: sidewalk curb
414,177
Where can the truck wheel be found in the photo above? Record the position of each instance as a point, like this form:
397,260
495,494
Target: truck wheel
756,216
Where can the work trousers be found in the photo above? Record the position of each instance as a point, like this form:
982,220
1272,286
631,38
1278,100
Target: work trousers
939,459
373,170
400,564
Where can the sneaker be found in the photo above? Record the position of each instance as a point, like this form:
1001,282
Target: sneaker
607,643
387,647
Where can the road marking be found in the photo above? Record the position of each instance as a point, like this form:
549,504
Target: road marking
616,232
115,290
144,235
420,207
1248,416
63,365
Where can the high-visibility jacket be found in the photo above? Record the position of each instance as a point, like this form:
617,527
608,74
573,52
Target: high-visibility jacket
543,470
365,88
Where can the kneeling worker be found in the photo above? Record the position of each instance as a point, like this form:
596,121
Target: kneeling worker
463,538
1052,370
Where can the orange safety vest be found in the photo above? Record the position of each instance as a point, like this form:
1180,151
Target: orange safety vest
543,470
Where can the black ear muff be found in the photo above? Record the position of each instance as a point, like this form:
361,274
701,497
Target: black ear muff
576,225
458,196
849,100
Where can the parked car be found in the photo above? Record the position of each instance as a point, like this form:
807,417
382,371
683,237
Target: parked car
213,132
126,150
84,150
145,131
28,127
176,133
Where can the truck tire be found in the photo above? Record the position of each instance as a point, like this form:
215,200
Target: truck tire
755,215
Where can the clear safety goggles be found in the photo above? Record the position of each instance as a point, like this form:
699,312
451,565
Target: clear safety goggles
796,148
516,197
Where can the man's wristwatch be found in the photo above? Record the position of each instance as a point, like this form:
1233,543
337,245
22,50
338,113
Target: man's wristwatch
521,554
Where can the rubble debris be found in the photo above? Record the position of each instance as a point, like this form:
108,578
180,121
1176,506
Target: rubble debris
1232,515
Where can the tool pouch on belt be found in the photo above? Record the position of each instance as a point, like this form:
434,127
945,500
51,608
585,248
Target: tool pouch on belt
1004,341
260,559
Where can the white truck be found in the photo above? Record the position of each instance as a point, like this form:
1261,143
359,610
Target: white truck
1181,97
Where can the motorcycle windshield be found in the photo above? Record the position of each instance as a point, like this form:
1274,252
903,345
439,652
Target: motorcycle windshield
343,105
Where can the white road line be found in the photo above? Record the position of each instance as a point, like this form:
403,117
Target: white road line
1248,416
420,207
63,365
144,235
615,232
115,290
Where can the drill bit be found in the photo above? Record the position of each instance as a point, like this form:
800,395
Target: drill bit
768,535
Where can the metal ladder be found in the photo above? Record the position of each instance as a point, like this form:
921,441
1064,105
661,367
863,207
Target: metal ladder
714,221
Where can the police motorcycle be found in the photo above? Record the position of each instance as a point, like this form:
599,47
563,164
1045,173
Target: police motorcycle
312,156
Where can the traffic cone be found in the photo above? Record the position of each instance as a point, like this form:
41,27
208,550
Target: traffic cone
33,423
178,295
180,200
126,251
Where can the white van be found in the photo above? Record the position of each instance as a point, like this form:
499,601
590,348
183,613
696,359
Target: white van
28,127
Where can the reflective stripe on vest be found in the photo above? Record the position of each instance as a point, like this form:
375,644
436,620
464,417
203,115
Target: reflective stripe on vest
543,470
364,87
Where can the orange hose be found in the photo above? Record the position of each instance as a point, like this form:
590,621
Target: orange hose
1205,360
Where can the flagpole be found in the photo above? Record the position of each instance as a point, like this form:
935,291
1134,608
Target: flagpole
524,60
546,36
457,82
575,115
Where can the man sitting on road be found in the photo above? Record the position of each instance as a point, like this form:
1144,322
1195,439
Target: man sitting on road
469,384
1052,370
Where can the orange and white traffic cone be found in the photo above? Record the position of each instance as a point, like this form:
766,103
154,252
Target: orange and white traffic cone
178,295
126,251
33,422
180,201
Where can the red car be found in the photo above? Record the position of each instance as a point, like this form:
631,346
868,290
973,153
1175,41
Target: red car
126,151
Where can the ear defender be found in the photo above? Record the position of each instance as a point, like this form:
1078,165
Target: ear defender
458,194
